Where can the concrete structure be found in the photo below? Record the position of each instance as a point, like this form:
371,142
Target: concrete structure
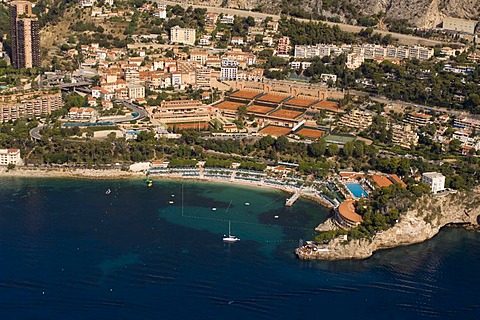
357,119
181,111
435,180
418,119
136,92
8,156
459,25
283,46
25,34
32,104
182,35
228,73
354,60
140,166
404,136
345,216
82,113
161,12
466,123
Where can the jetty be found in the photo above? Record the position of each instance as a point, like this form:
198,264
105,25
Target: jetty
290,201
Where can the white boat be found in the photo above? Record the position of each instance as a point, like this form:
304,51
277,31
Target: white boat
276,217
108,191
214,209
247,203
170,202
230,238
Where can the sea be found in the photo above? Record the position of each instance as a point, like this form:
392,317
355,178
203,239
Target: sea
69,249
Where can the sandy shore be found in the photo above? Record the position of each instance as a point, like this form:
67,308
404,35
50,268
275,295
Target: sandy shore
115,174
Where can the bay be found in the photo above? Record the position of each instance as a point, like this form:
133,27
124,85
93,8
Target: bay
68,250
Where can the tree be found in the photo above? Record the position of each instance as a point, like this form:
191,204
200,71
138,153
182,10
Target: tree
317,148
348,149
282,143
332,150
455,145
10,166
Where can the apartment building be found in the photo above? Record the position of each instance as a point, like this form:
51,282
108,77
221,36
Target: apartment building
182,35
358,119
466,123
404,136
354,60
8,156
202,77
435,180
459,25
283,46
136,92
418,119
32,104
25,35
182,111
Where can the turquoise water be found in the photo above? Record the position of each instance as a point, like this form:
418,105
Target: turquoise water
356,190
70,251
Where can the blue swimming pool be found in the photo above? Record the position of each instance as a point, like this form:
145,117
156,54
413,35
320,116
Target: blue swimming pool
357,190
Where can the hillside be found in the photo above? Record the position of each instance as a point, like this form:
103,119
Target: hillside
419,13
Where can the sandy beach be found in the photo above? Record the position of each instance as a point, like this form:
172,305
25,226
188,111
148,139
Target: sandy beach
115,174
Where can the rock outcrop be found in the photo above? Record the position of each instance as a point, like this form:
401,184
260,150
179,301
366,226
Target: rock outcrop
418,225
419,13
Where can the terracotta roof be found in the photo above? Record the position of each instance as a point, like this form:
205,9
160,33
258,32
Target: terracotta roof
420,115
381,181
347,210
396,179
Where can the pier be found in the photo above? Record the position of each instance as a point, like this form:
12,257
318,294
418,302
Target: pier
290,201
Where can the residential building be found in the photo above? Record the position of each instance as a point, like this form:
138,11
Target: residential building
357,119
161,12
354,60
8,156
435,180
228,73
459,25
466,123
418,119
227,19
182,35
237,41
181,111
202,77
25,35
31,104
136,92
87,3
404,136
82,113
283,46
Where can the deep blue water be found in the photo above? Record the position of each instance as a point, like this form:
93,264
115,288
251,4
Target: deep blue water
69,251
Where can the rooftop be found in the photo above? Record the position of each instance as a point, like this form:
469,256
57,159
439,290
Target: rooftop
347,210
381,181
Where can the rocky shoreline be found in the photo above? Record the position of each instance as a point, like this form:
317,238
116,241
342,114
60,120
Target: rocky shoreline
418,225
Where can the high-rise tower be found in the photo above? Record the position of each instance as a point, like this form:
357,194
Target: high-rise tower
25,32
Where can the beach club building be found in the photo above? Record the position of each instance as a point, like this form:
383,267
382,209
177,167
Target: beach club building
8,156
345,216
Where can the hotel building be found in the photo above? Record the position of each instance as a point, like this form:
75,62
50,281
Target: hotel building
25,34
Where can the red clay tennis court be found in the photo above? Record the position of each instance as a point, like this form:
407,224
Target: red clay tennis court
259,109
273,98
275,131
300,102
229,105
189,125
243,94
286,114
327,105
310,133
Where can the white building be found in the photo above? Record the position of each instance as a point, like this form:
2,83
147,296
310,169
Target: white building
435,180
161,12
8,156
136,92
354,60
228,73
87,3
182,35
227,19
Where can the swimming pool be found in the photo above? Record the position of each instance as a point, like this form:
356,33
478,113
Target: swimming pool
357,190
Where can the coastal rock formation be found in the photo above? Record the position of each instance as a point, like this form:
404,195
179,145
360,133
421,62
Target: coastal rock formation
418,225
419,13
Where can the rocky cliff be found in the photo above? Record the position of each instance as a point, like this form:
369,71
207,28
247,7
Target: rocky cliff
418,225
420,13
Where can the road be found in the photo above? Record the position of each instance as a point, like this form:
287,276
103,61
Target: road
402,38
404,104
35,132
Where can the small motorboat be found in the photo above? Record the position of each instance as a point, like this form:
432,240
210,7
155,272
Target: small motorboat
108,191
247,203
214,209
170,202
276,217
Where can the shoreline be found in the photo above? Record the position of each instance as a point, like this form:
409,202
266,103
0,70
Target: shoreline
117,174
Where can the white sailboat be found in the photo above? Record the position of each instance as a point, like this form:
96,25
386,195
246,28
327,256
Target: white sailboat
230,238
